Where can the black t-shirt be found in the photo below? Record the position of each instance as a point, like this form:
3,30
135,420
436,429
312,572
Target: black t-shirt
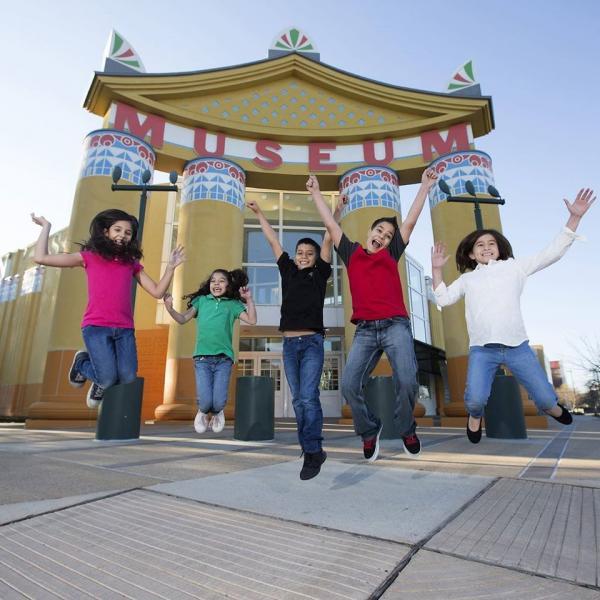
303,294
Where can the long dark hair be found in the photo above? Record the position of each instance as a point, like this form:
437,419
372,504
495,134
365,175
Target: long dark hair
236,279
100,243
465,263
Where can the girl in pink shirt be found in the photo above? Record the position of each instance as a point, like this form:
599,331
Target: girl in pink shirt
110,258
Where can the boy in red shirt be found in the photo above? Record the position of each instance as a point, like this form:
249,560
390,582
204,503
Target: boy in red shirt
381,319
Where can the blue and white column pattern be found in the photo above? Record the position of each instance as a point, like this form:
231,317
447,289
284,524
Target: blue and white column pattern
370,186
105,149
214,179
456,169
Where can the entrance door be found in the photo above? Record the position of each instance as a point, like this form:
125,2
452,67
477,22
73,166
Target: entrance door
270,364
267,364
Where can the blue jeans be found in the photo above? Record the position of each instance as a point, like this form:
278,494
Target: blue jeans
523,364
112,355
303,362
394,337
212,382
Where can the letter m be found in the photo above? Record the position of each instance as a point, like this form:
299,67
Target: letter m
432,142
128,119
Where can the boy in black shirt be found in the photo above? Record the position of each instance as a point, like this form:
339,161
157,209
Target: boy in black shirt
304,281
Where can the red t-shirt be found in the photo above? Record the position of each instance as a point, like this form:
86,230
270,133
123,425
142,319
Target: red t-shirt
109,291
374,280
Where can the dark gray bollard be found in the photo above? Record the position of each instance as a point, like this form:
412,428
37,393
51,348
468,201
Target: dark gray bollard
504,411
380,396
254,409
120,413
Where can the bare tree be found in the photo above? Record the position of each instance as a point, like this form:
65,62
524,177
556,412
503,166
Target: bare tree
588,360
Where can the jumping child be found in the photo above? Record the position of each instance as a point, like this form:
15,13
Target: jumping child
381,318
217,303
492,282
110,258
304,283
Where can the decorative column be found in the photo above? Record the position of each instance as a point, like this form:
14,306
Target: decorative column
451,223
372,193
211,228
103,150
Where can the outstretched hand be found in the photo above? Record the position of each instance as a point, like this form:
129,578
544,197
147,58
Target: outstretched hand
168,300
429,178
177,257
41,221
582,202
246,293
312,184
438,255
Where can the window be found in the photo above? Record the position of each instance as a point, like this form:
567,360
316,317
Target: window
417,297
293,216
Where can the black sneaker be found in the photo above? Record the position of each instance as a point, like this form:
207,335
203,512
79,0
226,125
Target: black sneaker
312,464
565,418
94,396
474,436
412,445
371,446
76,379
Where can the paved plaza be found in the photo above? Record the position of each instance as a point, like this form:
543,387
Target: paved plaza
177,515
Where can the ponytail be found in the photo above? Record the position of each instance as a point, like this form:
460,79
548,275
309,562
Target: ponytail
236,279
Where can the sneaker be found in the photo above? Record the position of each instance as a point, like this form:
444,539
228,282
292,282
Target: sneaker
412,445
201,422
565,417
76,379
94,396
371,446
217,423
312,464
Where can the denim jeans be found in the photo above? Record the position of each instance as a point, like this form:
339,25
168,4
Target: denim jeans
394,337
212,382
303,363
112,355
524,365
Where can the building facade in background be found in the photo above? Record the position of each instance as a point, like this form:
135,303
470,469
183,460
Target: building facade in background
252,131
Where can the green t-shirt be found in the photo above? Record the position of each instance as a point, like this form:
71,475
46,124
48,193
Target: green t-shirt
214,324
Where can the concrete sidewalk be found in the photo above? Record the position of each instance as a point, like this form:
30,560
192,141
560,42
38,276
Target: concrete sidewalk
177,515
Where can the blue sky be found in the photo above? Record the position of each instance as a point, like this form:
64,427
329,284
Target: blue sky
537,59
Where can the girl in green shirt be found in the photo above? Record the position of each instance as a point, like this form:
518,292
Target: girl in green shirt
220,300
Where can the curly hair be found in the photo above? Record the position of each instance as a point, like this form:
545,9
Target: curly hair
465,263
100,243
236,279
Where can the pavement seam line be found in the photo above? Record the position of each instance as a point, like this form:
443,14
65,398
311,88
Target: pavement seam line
276,518
60,509
414,549
515,569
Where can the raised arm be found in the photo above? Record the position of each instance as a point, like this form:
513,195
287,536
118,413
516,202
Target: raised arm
428,179
41,256
157,290
562,242
335,231
327,242
444,295
267,230
249,315
181,318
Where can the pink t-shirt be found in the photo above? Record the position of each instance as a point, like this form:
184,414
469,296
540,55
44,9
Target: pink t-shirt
109,291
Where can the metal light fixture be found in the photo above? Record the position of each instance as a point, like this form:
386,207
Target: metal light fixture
474,199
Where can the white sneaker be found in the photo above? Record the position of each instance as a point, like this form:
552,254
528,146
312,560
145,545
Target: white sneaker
201,422
218,422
